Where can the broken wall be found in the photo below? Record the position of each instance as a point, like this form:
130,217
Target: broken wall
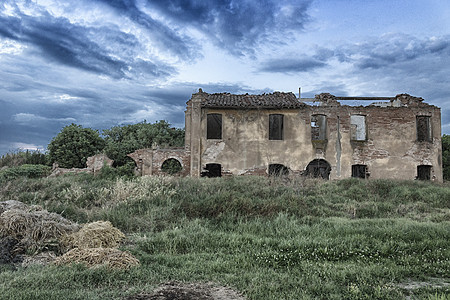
150,161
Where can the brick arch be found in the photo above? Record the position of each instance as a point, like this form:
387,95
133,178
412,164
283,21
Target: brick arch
180,163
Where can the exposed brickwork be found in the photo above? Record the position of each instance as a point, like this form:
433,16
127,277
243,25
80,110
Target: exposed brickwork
149,161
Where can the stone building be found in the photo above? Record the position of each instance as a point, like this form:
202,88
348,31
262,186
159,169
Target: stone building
394,137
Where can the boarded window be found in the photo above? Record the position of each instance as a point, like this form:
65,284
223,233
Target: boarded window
275,127
318,168
278,170
359,171
318,127
212,170
423,172
214,126
358,127
423,129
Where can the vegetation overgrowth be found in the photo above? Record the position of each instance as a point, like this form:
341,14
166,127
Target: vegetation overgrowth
268,238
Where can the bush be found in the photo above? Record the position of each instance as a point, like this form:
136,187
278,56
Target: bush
30,171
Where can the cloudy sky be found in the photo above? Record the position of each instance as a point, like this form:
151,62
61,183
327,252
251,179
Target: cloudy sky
101,63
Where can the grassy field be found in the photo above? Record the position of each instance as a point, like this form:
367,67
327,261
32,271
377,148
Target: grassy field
266,238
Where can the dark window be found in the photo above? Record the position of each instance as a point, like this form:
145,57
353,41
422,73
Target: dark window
275,127
278,170
318,127
358,127
171,166
214,126
318,168
359,171
424,172
423,129
212,170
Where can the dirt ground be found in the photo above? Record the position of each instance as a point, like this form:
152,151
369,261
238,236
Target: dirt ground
189,291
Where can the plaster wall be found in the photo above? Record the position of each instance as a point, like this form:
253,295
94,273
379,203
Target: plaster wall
391,149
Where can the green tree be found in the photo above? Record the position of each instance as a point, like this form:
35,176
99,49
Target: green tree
122,140
73,145
446,156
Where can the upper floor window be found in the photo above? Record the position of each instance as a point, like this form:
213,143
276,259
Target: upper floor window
318,127
214,126
275,127
358,127
423,129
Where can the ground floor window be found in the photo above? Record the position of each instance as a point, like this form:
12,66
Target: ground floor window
359,171
278,170
318,168
212,170
424,172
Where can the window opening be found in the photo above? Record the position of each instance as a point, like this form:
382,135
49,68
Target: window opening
171,166
275,127
318,127
278,170
318,168
423,129
358,127
212,170
214,126
423,172
359,171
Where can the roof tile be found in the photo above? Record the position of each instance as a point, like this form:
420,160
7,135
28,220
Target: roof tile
274,100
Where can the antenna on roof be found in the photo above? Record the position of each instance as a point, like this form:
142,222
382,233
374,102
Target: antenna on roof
299,92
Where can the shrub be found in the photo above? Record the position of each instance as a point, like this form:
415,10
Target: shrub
30,171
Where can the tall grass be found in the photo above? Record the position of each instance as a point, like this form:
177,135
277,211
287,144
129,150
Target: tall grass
268,238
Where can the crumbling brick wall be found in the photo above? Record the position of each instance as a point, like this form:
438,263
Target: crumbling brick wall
150,161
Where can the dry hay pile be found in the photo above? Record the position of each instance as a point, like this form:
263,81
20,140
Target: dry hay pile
30,229
11,204
92,257
100,234
33,228
95,244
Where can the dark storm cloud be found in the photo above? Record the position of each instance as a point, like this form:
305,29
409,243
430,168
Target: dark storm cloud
60,41
237,26
165,37
287,65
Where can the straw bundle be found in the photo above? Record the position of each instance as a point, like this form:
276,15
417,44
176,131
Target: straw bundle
91,257
35,229
94,235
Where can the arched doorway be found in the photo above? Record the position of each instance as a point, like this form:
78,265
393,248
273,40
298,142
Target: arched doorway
278,170
171,166
318,168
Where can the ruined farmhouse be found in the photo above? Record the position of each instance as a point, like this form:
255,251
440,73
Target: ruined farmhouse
278,134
